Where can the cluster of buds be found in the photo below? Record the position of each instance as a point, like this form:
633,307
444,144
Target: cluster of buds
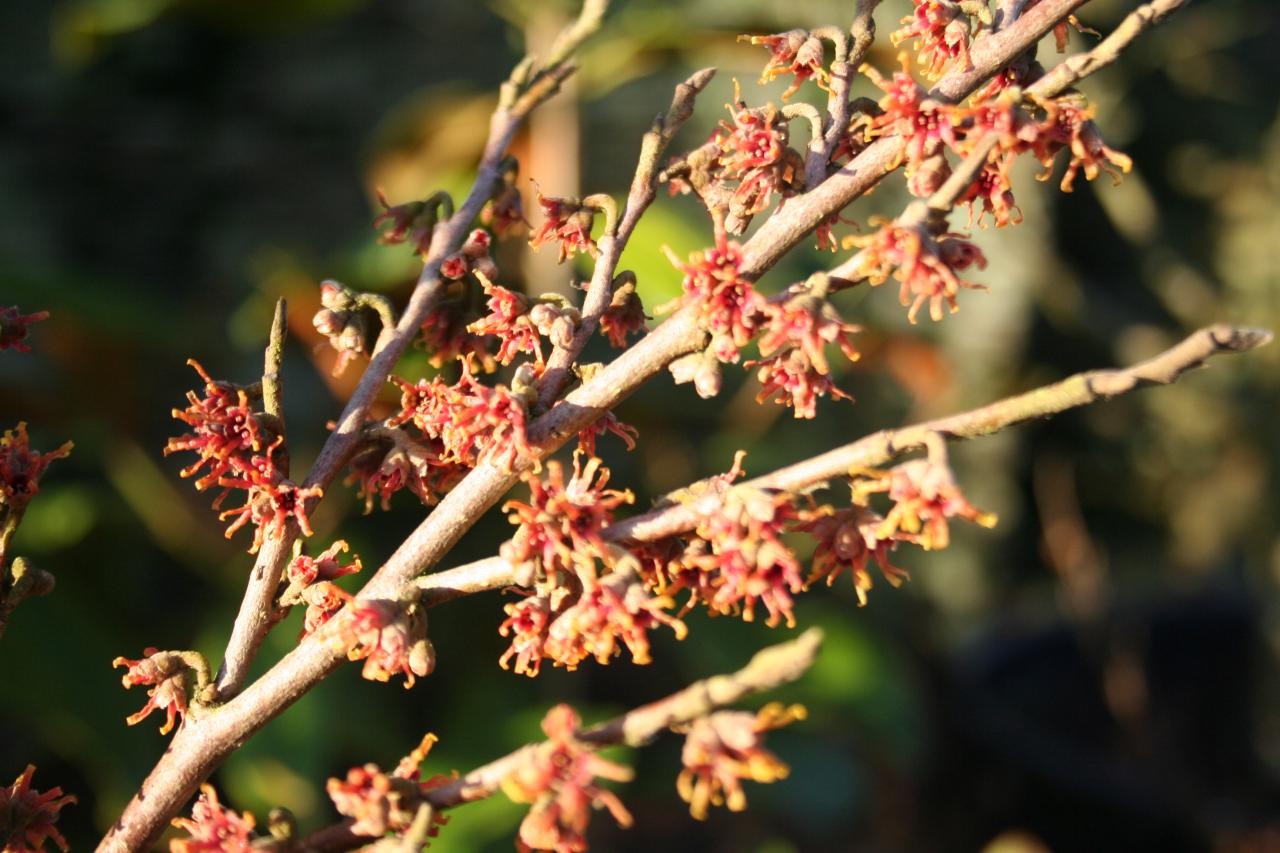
557,778
13,327
413,222
793,340
389,636
472,258
519,323
311,582
27,816
925,496
943,31
723,748
568,221
924,258
349,319
379,803
213,828
728,307
796,52
468,423
20,471
240,448
166,672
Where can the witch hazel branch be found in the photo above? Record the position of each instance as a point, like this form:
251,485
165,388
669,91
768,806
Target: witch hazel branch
588,580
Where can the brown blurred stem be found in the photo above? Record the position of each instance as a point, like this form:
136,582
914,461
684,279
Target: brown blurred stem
769,668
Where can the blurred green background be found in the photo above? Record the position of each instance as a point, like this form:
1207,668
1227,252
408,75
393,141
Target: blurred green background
1097,673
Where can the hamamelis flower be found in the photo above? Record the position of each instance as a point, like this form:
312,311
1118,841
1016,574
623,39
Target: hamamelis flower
754,152
558,779
508,320
942,31
390,460
310,582
906,110
444,337
21,468
13,327
625,314
412,222
991,189
925,495
379,802
1069,125
271,503
566,221
606,423
849,539
607,616
559,528
27,816
527,623
751,564
793,340
728,306
213,828
725,747
225,434
167,672
305,570
793,52
926,264
391,639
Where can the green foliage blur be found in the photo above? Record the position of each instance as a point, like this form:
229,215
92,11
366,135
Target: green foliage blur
1097,673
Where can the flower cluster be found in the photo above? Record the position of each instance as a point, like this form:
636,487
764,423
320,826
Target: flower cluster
167,672
13,327
1068,125
926,125
445,338
27,816
213,828
379,802
21,469
412,223
466,423
558,531
926,261
557,778
520,323
753,151
925,495
849,538
389,636
728,307
567,221
943,31
793,340
239,448
311,582
725,747
796,52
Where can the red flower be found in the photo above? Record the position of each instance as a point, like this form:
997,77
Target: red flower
993,190
213,828
558,778
748,558
378,802
924,123
793,52
942,31
625,314
925,495
323,599
13,327
508,320
1069,126
505,212
444,337
926,264
727,746
728,306
391,639
849,539
793,343
606,614
27,817
559,529
608,422
167,671
391,460
305,570
527,624
21,468
271,503
225,431
411,223
567,221
310,582
754,152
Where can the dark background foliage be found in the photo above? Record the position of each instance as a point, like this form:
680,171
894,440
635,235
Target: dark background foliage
1097,673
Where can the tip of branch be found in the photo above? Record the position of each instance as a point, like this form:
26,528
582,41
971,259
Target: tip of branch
1239,338
791,659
